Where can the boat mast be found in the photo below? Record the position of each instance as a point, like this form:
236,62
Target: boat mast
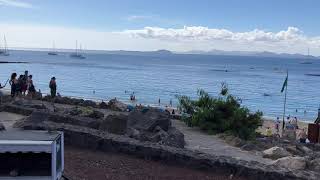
1,48
5,44
76,47
53,47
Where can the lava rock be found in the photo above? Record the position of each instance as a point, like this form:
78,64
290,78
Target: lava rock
95,114
103,105
32,122
116,124
174,138
116,105
293,163
275,153
133,133
149,119
89,103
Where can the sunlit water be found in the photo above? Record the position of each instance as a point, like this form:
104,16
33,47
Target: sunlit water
104,76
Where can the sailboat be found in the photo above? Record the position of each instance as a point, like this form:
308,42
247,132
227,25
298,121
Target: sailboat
77,54
4,51
308,59
53,52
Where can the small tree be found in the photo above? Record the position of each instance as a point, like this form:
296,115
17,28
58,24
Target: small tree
223,114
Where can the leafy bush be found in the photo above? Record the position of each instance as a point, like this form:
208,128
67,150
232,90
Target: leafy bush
222,114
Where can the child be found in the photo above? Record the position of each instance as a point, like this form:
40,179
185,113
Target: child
269,131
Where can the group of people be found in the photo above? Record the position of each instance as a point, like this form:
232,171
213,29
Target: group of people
291,124
21,85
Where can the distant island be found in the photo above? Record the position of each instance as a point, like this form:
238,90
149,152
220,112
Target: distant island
195,52
253,53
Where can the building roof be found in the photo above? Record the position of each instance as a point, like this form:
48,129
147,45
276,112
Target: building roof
21,135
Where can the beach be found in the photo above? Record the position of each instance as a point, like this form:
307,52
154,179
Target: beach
267,122
152,76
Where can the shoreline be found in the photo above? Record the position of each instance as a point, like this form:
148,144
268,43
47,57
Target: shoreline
270,119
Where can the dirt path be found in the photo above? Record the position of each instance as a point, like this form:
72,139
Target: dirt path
81,164
197,140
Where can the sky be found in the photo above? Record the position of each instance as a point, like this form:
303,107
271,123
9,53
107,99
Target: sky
283,26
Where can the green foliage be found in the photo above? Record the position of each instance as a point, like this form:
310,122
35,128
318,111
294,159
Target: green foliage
222,114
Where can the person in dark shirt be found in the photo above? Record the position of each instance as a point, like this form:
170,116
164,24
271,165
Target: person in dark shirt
31,88
53,87
13,82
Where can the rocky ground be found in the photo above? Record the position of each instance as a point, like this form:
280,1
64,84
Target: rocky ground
152,126
83,164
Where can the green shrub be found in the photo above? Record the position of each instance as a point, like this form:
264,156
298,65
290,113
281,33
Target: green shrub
222,114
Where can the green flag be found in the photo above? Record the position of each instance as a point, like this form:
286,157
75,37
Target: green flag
285,83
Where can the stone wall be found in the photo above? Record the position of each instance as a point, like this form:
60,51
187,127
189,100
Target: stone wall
83,137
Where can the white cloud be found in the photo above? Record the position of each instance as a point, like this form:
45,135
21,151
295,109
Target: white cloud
199,33
15,3
291,40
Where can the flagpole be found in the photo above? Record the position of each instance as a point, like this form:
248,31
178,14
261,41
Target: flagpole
284,104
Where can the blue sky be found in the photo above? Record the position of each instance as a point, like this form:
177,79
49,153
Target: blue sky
236,16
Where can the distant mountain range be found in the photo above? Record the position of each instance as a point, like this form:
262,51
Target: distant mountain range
252,53
164,52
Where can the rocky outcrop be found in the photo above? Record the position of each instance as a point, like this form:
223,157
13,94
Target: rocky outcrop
116,105
71,101
148,119
89,103
85,112
146,125
150,124
103,105
275,153
38,106
75,120
37,118
174,138
293,163
34,122
116,124
17,109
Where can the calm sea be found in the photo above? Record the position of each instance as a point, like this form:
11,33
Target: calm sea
256,80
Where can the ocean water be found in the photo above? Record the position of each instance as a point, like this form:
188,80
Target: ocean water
150,77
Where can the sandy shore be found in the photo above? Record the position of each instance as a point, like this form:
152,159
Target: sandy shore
267,122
